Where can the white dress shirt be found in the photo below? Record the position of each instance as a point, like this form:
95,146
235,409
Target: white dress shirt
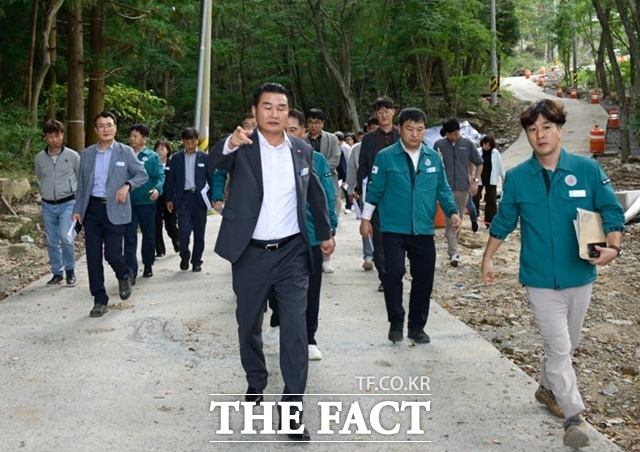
279,213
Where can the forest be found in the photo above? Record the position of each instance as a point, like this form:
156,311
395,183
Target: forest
70,59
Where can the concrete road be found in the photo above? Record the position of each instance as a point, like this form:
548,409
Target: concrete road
581,118
141,377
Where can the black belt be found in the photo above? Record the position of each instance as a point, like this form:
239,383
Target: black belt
191,190
60,201
271,245
97,199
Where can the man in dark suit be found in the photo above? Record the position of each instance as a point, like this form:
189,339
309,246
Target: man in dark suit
187,176
263,235
108,172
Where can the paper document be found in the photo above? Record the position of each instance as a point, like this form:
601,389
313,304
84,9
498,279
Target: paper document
357,209
205,196
73,231
589,232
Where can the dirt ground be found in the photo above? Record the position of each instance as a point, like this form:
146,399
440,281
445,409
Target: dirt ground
607,363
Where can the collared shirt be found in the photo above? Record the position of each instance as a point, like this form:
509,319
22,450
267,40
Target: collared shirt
189,170
549,255
101,171
278,216
456,157
315,142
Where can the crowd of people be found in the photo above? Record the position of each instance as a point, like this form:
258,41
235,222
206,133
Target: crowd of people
279,181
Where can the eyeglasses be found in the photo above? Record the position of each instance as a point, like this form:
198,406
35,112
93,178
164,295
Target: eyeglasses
384,110
315,122
105,126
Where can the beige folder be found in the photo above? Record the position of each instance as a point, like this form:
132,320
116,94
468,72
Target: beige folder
589,232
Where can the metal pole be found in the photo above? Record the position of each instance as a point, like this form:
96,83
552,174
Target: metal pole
201,65
206,83
574,44
494,58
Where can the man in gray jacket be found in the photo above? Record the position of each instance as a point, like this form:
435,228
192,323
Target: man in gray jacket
463,166
57,170
108,172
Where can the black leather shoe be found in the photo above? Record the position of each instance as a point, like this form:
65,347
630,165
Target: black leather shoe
254,395
304,436
125,288
418,336
98,310
176,247
70,277
184,264
395,332
197,268
474,226
132,279
55,280
148,271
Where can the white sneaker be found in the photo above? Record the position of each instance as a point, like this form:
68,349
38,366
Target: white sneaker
314,353
326,267
368,263
455,260
271,336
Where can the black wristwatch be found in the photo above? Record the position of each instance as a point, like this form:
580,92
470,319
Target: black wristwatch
617,248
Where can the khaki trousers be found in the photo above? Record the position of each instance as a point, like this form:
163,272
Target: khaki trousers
559,317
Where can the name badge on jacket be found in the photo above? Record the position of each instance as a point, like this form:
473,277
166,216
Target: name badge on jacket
200,165
304,171
577,194
119,163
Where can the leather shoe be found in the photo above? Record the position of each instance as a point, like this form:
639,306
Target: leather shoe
148,271
132,279
98,310
254,395
125,288
418,336
304,436
197,268
395,332
184,264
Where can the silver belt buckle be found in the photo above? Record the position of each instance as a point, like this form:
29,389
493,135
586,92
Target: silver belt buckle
271,246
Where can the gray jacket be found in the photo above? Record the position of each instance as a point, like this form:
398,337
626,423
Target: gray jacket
123,167
58,180
456,160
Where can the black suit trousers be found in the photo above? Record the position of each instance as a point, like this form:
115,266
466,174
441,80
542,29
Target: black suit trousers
285,274
99,232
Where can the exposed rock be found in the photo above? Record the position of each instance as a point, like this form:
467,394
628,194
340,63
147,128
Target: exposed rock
6,189
21,188
32,211
13,228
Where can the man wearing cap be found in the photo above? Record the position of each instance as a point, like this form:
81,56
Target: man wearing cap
463,166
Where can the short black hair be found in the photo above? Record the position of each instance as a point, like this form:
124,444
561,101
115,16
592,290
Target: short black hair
105,114
316,113
248,115
488,139
189,133
141,129
383,102
450,125
372,121
298,115
551,110
52,126
412,114
270,87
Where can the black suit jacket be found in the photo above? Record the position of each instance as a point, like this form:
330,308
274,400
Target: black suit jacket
175,178
240,214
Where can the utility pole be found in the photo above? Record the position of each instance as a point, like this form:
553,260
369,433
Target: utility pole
204,77
494,58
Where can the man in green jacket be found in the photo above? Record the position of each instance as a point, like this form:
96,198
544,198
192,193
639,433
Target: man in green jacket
143,206
407,179
544,193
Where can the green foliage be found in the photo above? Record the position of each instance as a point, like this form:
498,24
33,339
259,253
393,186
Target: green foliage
15,156
465,92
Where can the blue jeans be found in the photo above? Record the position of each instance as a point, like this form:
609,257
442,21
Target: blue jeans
57,222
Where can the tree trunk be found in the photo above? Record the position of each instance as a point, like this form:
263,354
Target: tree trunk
75,78
97,72
52,76
32,52
342,76
601,71
48,48
603,17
